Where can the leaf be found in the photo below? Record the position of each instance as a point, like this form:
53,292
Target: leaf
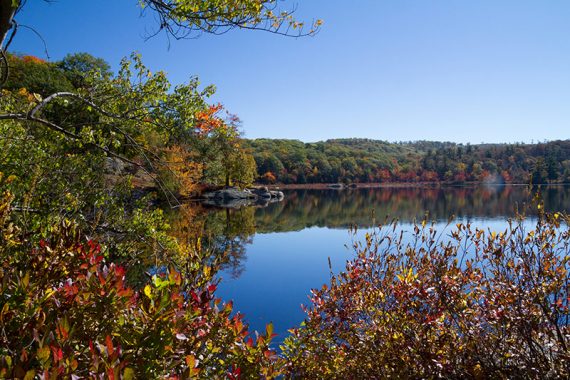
269,330
148,291
43,354
190,361
26,280
109,343
128,374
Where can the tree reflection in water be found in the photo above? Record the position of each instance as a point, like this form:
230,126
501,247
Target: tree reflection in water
221,233
226,233
363,207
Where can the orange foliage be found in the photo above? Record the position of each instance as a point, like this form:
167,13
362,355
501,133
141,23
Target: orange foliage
33,59
208,120
269,177
188,173
24,93
484,175
384,175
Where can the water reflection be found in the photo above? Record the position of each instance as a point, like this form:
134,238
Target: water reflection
271,257
222,235
228,232
363,207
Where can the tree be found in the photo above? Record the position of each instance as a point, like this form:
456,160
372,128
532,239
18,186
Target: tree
76,66
56,150
226,161
187,18
539,173
36,76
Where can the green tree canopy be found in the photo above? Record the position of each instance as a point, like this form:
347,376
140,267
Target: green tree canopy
77,65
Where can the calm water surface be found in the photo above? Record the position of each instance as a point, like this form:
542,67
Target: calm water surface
282,250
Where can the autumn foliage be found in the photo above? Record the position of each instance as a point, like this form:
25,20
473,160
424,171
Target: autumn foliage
470,304
73,314
208,120
33,59
182,170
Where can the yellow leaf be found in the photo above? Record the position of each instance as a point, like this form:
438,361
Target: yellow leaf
128,374
148,291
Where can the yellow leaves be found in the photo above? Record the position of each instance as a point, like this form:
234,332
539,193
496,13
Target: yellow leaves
408,277
191,361
26,280
186,173
129,374
49,293
23,92
43,354
478,372
148,291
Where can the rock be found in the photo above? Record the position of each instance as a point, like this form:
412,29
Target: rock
236,198
230,193
262,192
277,195
228,203
114,166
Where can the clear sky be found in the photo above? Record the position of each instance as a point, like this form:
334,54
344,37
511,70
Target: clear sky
397,70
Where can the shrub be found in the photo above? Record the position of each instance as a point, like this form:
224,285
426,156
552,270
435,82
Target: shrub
65,311
474,304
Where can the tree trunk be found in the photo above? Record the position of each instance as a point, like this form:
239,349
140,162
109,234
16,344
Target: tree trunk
7,11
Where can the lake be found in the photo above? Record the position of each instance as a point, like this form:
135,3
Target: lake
281,252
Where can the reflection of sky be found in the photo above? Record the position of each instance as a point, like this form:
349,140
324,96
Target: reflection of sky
282,267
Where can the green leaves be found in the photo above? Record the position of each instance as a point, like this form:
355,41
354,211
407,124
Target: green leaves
185,18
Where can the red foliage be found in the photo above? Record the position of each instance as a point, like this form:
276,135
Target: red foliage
480,305
66,311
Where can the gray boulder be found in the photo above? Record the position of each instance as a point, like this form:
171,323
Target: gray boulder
230,193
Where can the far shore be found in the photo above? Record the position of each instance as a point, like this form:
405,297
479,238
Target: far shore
329,186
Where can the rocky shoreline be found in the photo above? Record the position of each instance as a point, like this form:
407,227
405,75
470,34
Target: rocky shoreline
233,197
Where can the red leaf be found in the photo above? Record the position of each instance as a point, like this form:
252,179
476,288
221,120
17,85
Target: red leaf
109,343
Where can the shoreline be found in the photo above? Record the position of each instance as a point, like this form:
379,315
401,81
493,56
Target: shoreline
329,186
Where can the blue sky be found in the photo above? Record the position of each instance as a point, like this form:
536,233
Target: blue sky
397,70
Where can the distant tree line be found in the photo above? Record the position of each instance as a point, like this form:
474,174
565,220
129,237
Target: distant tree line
371,161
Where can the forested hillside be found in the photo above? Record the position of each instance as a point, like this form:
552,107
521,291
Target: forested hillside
371,161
